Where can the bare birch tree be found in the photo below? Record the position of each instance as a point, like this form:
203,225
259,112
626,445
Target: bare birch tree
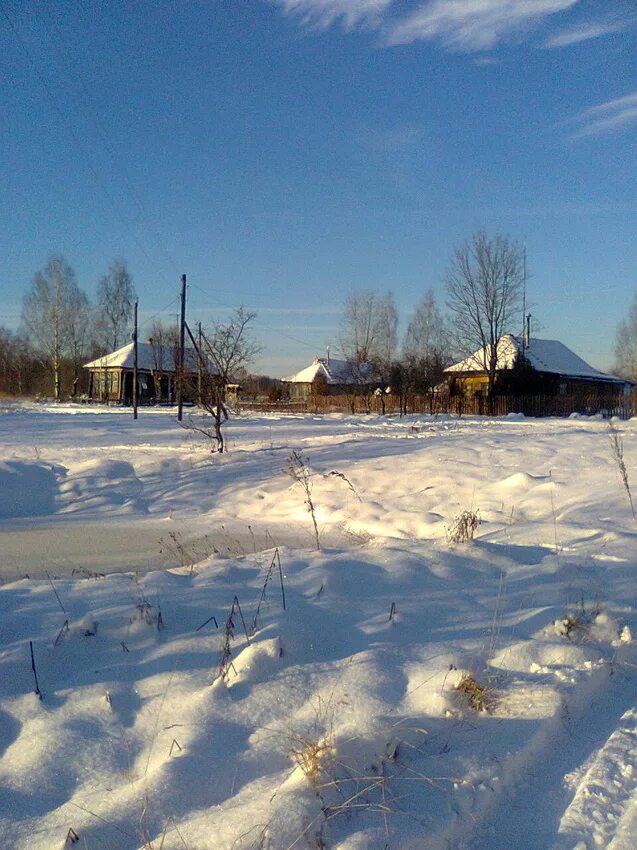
368,327
426,347
484,286
48,314
626,344
115,298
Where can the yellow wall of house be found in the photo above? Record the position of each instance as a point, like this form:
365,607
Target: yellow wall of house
474,384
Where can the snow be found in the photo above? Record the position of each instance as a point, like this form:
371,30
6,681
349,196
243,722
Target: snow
341,721
544,355
149,359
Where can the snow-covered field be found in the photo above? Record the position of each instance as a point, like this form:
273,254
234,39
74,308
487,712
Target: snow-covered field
337,722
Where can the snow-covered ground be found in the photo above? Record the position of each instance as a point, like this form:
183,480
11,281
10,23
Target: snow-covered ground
337,722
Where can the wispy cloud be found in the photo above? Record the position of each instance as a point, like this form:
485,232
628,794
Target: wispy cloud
584,32
390,140
606,117
467,25
324,13
470,25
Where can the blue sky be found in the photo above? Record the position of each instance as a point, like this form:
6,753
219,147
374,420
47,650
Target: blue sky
283,153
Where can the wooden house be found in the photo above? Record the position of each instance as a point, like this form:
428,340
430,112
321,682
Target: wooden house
111,376
328,376
533,367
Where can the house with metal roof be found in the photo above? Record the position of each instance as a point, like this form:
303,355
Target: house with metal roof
532,366
329,376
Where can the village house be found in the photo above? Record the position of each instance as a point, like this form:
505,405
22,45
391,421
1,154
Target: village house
533,366
328,376
111,376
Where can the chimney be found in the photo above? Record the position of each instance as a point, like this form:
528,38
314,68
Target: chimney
328,355
527,331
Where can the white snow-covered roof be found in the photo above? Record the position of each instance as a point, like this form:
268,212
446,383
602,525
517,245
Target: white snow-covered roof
149,359
544,355
334,372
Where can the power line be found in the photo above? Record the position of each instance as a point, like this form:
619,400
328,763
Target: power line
257,327
165,309
69,126
101,130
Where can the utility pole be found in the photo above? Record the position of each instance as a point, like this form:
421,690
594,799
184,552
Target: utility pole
182,364
199,363
135,353
524,301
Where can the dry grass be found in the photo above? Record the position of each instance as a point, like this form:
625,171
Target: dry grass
313,751
464,527
299,471
617,450
575,625
313,757
477,696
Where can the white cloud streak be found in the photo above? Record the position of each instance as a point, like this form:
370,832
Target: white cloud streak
461,25
584,32
470,25
325,13
606,117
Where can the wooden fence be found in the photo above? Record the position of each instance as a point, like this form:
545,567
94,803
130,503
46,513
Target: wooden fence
530,405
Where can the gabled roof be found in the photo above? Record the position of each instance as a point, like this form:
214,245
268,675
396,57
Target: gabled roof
544,355
150,358
334,372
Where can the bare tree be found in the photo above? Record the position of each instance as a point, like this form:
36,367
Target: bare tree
115,297
484,285
164,341
368,327
79,333
426,347
228,347
368,338
20,370
626,344
48,314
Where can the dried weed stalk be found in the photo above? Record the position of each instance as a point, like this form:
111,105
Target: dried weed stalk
617,450
226,664
275,563
298,470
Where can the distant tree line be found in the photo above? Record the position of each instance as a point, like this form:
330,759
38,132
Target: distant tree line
61,330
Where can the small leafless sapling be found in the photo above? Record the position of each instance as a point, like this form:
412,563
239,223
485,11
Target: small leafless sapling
223,353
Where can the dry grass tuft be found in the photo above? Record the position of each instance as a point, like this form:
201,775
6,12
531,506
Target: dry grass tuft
576,625
477,696
313,757
464,527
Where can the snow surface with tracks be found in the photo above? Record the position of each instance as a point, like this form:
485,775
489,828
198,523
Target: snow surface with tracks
336,721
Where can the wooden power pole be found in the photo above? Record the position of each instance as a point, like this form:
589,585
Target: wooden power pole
199,363
182,360
135,354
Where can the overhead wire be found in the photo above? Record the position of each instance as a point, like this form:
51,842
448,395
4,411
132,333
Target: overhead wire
101,130
258,327
150,319
59,110
102,135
